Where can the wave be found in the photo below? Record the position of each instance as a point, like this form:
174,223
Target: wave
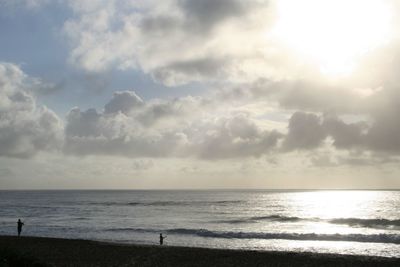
279,218
169,203
369,223
255,219
373,238
365,222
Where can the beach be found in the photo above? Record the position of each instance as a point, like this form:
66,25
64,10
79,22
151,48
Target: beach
39,251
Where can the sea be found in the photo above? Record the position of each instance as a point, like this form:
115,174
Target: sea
339,222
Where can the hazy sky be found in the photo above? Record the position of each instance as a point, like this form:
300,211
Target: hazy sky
199,94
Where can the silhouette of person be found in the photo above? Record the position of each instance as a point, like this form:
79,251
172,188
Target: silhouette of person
19,226
162,239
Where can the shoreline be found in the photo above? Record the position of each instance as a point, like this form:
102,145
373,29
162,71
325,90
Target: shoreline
44,251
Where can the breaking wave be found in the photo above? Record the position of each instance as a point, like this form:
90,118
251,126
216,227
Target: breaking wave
369,223
366,222
373,238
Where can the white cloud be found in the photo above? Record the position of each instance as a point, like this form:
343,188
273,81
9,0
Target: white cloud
177,41
25,128
164,129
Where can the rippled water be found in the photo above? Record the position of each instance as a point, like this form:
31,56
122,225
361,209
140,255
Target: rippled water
346,222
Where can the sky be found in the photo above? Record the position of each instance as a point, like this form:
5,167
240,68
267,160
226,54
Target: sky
190,94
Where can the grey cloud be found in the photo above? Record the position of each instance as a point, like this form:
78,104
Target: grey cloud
123,102
134,134
345,135
384,134
199,17
181,72
305,132
235,137
377,129
118,133
207,13
187,127
156,111
83,124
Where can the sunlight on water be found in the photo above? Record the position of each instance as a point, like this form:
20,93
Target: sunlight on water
344,222
336,204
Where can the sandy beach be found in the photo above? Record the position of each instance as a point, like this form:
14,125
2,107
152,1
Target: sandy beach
37,251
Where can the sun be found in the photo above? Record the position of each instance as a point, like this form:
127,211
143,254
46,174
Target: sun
333,34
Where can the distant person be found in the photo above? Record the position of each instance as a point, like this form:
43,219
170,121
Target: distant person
162,239
19,226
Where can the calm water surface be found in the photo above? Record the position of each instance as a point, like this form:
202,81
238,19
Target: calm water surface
345,222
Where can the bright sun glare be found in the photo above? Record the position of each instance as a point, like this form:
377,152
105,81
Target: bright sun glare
334,34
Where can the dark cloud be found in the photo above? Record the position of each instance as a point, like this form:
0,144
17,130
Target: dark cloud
307,131
205,14
345,136
304,132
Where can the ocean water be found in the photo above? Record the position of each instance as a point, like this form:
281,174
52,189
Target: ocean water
344,222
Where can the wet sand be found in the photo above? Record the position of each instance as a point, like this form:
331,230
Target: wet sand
35,251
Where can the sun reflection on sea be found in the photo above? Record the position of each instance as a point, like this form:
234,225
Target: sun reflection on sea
324,206
335,204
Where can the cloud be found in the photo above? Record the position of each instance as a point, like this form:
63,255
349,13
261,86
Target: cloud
182,72
219,125
384,132
234,137
25,128
222,124
177,42
308,131
123,102
345,135
135,128
305,132
204,15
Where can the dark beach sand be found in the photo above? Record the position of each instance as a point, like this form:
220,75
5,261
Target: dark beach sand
35,251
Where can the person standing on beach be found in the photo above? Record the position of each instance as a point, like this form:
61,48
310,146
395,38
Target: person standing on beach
19,226
162,239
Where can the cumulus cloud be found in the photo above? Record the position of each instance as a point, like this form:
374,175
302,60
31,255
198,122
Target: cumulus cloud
237,136
305,132
214,126
218,125
158,129
25,128
308,131
123,102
